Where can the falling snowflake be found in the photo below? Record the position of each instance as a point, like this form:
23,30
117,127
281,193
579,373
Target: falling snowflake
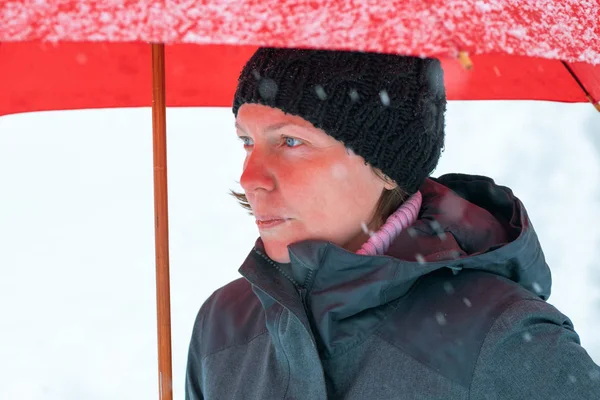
320,92
267,88
448,288
366,229
467,302
455,254
81,59
456,207
572,379
354,95
437,228
385,98
537,287
420,259
412,232
527,337
440,318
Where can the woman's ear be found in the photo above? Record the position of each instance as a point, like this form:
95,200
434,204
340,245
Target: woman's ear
389,183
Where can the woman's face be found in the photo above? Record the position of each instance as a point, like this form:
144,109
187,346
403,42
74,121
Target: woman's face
303,184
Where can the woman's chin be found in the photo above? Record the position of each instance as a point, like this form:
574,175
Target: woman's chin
277,247
277,252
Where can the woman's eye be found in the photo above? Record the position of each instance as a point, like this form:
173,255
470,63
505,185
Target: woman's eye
292,142
246,141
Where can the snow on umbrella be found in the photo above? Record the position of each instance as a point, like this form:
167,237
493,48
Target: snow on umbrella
517,47
68,54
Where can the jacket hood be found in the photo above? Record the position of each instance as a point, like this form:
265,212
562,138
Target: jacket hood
465,222
470,222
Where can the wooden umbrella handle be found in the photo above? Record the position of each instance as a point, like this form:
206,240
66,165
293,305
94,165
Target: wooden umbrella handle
161,222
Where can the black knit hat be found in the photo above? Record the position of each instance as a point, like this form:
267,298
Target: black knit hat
389,109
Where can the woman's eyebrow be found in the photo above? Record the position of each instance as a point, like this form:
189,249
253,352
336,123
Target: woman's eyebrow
270,128
278,125
239,127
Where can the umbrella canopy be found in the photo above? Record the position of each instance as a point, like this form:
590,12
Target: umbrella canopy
540,50
72,54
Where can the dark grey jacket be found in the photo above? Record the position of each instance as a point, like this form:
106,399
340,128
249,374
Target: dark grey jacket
468,320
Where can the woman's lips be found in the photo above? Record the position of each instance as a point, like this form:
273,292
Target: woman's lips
270,223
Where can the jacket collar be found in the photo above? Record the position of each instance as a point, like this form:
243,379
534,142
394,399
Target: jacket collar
465,222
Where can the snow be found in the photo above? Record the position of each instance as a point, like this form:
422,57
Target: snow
77,289
320,91
385,98
562,29
483,6
440,318
448,288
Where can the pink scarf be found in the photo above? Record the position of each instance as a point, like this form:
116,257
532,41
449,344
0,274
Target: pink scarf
404,217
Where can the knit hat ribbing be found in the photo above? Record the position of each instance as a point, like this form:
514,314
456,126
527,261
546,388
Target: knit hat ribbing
389,109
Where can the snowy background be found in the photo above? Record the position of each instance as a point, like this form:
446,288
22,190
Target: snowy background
77,289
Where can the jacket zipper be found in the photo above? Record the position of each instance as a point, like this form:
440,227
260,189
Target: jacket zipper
302,292
301,289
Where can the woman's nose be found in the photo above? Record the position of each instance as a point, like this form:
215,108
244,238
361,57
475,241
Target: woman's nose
257,174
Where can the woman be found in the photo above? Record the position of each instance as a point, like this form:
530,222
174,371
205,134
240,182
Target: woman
371,280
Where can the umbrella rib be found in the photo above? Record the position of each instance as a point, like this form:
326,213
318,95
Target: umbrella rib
582,86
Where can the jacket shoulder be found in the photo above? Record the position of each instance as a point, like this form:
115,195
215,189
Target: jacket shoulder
445,318
534,344
231,316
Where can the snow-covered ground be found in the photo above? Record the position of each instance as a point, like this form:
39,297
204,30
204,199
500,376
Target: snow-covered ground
77,289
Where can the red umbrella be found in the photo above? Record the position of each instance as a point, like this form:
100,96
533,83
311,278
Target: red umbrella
518,47
68,54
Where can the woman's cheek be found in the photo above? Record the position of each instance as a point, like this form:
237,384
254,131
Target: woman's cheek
338,172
